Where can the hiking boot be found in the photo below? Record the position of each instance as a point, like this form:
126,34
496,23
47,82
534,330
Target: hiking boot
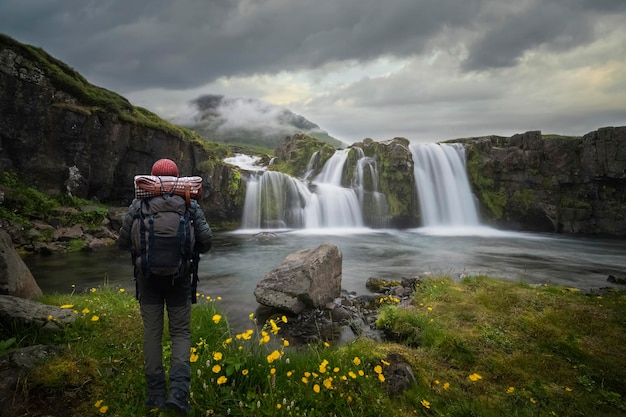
178,401
156,401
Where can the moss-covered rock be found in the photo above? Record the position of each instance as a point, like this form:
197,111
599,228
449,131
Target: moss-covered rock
396,181
294,156
551,183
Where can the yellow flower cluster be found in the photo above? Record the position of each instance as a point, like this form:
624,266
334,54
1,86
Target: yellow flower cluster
475,377
388,299
102,408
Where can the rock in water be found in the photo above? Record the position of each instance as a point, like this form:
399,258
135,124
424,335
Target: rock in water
306,279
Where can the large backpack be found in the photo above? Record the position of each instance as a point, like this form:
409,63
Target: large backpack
162,236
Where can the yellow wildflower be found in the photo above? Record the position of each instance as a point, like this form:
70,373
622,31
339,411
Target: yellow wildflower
193,357
273,356
104,409
85,310
284,319
122,290
216,369
378,369
425,403
273,371
352,375
446,385
532,400
328,383
475,377
217,356
244,372
221,380
67,306
285,342
95,318
216,318
274,326
305,380
510,390
98,403
316,388
381,377
356,361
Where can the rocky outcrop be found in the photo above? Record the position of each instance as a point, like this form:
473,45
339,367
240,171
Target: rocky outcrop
62,135
15,311
307,279
396,182
15,277
553,183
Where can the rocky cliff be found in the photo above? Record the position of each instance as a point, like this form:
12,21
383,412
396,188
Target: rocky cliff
553,183
61,134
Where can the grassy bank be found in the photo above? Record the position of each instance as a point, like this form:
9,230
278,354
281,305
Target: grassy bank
479,347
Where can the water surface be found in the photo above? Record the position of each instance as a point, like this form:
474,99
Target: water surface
240,259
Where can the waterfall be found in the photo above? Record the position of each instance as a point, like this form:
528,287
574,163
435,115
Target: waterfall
277,200
442,185
329,200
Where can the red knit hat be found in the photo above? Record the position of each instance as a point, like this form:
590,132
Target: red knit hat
165,167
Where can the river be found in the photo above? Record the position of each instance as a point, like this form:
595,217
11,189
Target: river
240,259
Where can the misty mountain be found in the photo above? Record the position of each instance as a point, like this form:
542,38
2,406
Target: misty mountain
245,121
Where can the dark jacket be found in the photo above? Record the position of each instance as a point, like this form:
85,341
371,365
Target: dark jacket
203,234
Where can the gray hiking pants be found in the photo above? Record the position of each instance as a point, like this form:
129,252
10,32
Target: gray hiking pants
155,294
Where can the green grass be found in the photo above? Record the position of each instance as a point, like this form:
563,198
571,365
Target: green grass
479,347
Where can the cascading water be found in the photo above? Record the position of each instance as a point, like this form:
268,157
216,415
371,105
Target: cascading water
276,200
442,185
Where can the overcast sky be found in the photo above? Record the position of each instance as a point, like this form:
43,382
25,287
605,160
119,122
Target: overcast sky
427,70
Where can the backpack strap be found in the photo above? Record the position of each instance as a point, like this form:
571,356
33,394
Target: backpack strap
142,238
184,237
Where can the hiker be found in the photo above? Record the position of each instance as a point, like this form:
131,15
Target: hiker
166,284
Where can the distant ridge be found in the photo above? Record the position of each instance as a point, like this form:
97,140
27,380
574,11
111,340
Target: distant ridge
246,121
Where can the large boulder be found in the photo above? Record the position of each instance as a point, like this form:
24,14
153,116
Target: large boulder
15,277
307,279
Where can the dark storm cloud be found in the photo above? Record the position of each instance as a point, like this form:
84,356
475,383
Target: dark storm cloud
556,25
185,43
182,44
